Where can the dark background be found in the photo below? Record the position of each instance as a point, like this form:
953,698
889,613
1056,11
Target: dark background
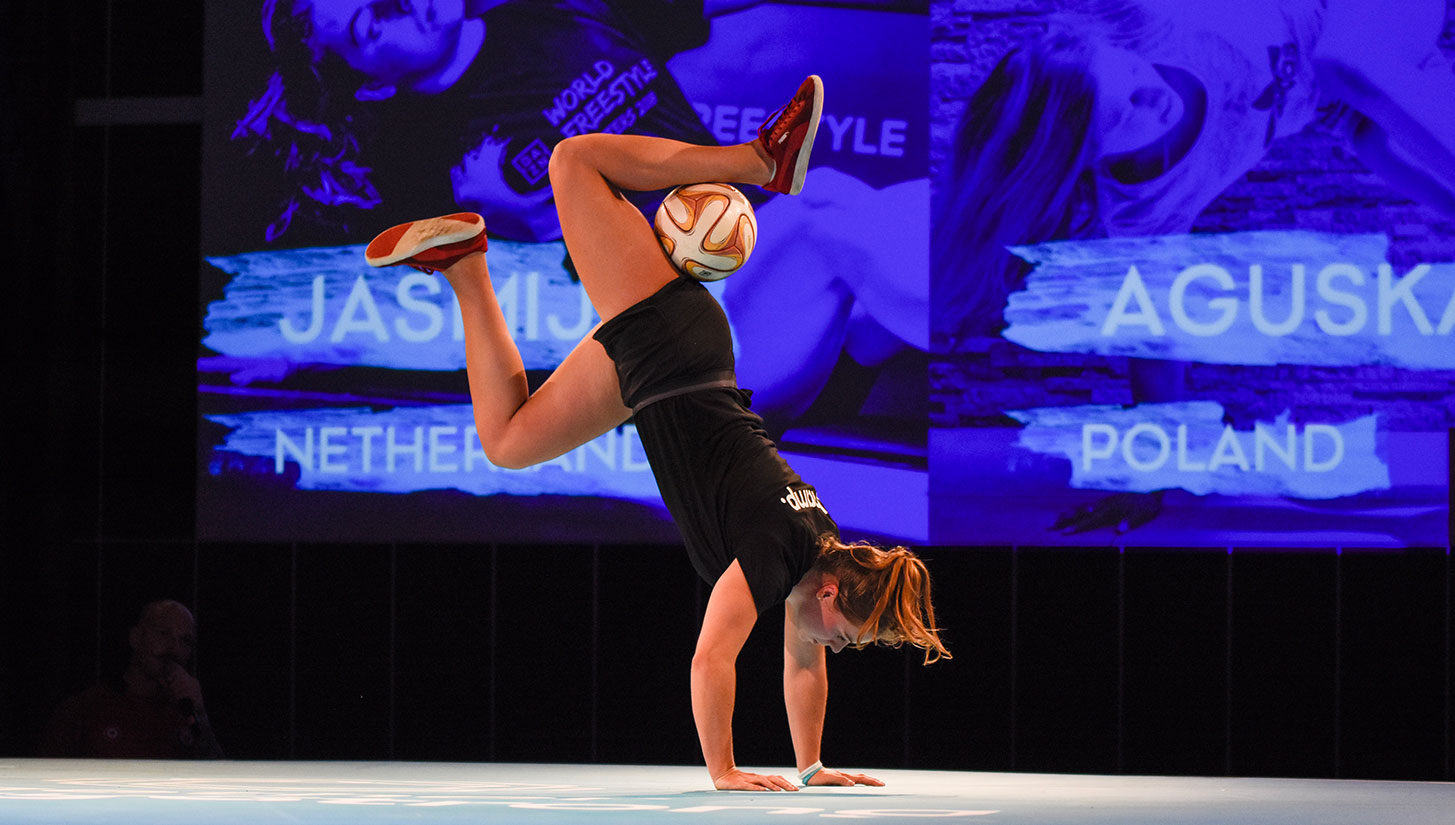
1250,661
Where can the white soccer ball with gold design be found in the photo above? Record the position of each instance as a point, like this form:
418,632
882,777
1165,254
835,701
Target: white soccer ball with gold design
707,229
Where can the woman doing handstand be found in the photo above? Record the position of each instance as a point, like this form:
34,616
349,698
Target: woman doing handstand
662,355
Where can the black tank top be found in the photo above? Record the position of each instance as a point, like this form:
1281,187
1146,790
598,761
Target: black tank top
731,493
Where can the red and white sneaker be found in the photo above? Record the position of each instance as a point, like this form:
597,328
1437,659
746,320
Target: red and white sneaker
428,245
789,139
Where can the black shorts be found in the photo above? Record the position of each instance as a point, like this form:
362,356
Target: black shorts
674,342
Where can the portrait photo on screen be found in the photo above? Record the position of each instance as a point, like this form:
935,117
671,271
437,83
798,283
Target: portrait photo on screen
1193,272
333,401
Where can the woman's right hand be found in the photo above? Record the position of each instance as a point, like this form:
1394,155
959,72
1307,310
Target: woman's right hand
737,780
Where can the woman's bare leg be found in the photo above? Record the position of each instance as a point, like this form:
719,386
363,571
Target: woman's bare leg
580,401
620,263
613,247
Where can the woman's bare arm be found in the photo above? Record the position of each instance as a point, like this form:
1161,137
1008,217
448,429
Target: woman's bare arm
729,619
805,694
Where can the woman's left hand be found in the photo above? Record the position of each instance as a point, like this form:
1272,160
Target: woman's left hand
828,776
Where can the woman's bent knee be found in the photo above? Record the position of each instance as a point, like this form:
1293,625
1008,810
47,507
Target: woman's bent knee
517,448
570,156
506,458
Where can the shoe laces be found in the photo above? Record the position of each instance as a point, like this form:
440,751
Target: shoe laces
785,116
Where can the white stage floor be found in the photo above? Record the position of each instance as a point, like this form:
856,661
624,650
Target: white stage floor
227,793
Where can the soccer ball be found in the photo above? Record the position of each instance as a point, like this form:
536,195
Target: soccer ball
707,229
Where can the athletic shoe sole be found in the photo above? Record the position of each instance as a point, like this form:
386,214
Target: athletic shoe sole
434,242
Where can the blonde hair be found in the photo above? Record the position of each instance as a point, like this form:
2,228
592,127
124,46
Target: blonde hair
885,592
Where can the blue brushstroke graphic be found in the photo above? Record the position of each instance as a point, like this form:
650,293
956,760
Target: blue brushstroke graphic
1272,297
1186,445
409,449
324,305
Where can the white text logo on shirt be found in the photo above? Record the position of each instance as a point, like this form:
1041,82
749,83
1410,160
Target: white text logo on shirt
802,500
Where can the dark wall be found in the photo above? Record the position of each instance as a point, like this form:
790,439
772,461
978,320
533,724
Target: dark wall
1254,662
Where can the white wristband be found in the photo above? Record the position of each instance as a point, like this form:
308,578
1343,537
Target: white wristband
808,772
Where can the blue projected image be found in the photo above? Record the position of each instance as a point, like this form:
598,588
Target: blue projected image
1193,273
330,388
1143,271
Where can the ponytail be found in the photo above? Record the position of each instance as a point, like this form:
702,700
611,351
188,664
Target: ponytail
885,592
